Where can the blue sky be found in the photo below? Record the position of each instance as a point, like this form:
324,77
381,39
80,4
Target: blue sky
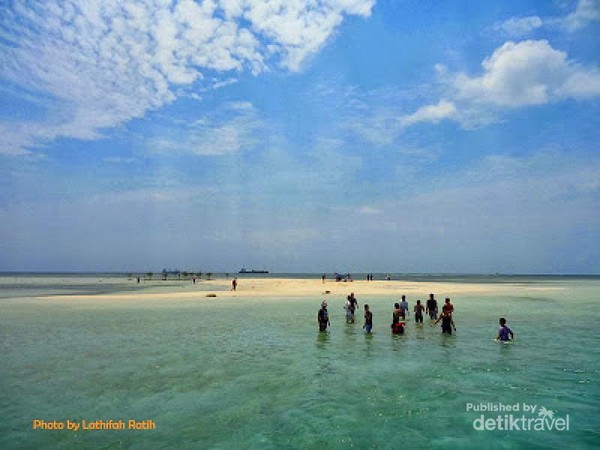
323,135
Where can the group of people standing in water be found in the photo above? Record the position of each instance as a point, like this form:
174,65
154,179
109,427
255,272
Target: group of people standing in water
399,314
401,311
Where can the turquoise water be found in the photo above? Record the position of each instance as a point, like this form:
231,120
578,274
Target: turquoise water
255,373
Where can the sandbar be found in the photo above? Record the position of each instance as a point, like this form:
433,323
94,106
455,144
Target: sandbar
289,288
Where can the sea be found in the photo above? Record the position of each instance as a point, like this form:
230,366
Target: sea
255,373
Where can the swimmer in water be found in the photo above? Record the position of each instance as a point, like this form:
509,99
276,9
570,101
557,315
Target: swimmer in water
448,307
404,307
419,312
447,322
323,317
397,322
396,314
368,319
353,304
504,332
431,307
349,311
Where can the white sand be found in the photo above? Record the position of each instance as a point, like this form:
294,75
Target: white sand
280,288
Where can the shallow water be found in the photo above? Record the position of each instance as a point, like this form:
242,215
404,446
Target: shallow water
252,373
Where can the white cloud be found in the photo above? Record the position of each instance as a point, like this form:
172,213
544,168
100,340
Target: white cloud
513,214
371,115
368,210
527,73
517,74
151,195
212,135
430,113
380,127
300,28
519,26
104,63
587,11
223,83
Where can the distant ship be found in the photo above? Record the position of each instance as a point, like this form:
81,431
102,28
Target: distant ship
252,271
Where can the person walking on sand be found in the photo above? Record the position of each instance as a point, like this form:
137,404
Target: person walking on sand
323,318
368,326
234,284
432,307
419,312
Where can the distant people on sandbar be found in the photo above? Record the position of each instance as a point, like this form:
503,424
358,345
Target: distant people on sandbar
323,317
234,284
432,307
323,278
447,322
368,326
404,307
344,278
504,333
388,277
448,307
418,310
397,322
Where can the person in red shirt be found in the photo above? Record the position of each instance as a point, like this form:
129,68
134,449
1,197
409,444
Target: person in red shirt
448,307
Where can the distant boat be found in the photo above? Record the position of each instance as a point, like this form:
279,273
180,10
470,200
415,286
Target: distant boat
252,271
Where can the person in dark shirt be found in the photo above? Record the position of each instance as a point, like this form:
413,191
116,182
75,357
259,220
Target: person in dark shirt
396,314
447,323
323,317
504,333
432,307
419,312
368,326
